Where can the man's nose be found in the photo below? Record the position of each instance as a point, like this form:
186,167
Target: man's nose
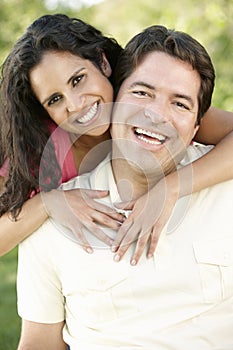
75,103
157,112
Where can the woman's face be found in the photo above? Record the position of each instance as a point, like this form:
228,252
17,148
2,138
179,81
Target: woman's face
74,92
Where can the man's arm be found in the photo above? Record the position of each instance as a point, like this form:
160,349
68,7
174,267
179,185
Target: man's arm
41,336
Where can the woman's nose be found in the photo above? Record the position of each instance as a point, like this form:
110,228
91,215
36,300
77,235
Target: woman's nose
75,103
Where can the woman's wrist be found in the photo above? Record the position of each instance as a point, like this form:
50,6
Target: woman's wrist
180,182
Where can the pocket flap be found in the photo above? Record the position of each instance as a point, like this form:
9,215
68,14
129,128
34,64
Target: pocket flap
214,251
101,277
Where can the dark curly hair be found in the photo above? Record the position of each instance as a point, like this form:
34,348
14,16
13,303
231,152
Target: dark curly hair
24,128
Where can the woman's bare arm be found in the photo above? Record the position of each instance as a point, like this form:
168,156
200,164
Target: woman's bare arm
215,125
74,209
31,217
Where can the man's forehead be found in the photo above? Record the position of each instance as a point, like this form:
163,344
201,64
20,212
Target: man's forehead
158,68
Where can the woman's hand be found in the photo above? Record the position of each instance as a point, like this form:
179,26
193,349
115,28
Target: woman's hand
77,209
149,215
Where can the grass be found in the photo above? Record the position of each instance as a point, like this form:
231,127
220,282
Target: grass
9,320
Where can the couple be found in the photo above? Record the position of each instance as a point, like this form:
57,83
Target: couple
62,74
180,298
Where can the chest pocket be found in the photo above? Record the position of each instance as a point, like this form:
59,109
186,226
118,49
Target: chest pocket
102,293
215,261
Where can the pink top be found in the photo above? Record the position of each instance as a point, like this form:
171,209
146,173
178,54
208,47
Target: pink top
4,169
63,152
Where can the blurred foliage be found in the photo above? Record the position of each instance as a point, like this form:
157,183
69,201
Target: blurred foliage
208,21
9,321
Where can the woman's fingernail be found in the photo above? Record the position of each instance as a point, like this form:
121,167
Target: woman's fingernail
117,257
89,250
133,262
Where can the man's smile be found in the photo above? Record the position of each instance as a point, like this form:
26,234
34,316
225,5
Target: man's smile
149,137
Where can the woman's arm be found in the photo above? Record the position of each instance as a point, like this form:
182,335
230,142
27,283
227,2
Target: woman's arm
74,209
152,211
215,125
32,215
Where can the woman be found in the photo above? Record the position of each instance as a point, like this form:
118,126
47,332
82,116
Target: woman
62,69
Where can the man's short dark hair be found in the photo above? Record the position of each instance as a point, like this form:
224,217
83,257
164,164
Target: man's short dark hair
176,44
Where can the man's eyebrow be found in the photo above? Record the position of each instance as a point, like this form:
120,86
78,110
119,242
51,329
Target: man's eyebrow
142,83
151,87
185,97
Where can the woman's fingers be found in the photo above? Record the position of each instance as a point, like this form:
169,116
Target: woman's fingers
140,247
95,230
141,242
123,238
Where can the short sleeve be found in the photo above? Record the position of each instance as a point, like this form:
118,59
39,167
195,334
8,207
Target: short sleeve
39,290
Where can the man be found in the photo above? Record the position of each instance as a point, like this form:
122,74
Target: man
182,297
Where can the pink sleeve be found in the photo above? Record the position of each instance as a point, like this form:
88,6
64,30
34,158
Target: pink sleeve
4,169
63,152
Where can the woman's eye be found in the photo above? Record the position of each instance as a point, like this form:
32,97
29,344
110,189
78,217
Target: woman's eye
77,80
54,100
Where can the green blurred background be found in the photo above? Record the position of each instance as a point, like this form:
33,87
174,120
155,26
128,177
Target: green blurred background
211,22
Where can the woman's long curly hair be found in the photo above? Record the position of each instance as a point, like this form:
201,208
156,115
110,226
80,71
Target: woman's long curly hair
24,131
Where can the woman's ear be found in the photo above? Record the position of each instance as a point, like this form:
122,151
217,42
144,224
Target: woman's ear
105,66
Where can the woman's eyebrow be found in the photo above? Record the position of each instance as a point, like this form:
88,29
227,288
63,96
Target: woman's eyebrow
74,74
48,98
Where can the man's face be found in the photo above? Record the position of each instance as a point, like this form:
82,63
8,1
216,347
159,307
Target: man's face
157,111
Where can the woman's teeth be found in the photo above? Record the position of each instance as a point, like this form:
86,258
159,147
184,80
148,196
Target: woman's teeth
149,137
90,114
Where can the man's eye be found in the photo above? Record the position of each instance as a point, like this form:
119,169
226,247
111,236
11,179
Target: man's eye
182,105
140,93
54,100
77,80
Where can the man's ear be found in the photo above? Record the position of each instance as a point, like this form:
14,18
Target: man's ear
105,66
195,130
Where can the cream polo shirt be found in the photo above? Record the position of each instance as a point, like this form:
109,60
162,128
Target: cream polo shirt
181,299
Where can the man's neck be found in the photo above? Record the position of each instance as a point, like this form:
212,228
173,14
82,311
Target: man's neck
131,181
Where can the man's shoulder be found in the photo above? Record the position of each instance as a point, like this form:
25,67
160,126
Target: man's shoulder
194,152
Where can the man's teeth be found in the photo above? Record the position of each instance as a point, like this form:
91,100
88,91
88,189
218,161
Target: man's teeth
141,133
90,114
